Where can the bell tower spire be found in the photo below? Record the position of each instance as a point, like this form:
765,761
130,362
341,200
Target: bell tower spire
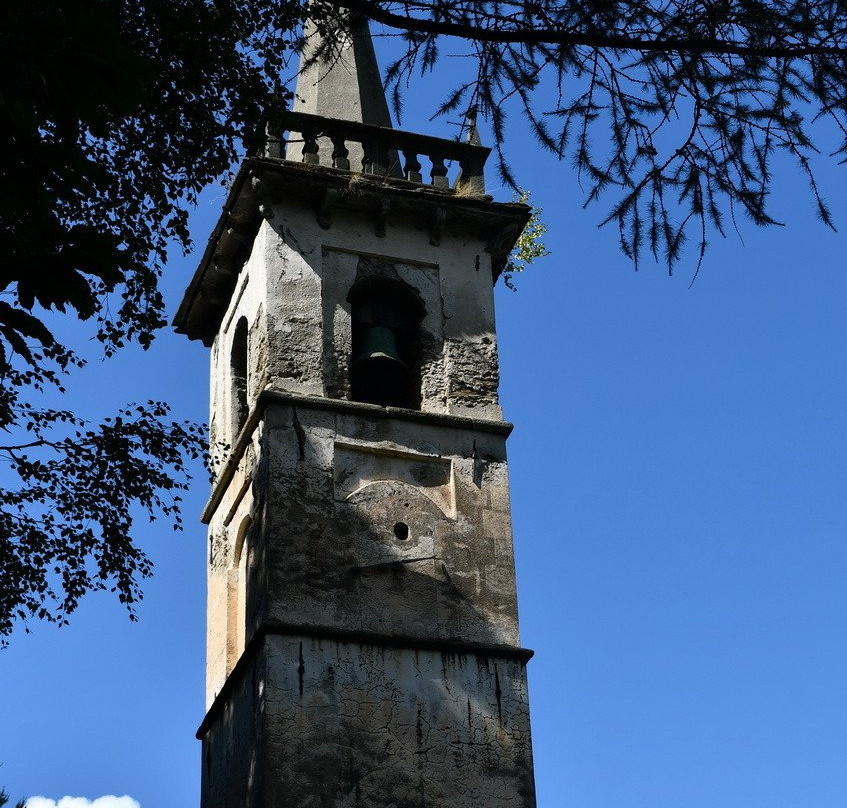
363,648
341,79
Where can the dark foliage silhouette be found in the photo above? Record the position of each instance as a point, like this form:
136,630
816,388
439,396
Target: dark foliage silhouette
114,115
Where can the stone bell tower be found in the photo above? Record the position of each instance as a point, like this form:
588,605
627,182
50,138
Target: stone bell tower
363,643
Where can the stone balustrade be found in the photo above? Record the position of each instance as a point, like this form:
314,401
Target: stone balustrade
384,152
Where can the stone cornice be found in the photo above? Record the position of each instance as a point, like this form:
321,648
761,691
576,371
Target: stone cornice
272,396
357,637
262,182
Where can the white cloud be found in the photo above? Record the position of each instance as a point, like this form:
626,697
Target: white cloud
109,801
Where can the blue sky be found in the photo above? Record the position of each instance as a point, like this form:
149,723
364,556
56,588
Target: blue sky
678,477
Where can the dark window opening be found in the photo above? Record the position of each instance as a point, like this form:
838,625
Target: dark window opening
238,375
401,531
385,366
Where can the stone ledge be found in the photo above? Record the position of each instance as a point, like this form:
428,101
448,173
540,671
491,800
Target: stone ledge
272,396
522,655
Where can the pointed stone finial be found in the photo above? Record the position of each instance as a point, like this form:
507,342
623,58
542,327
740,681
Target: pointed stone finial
471,182
471,132
340,80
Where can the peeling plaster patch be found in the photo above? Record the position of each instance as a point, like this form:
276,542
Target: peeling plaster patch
297,347
433,375
258,360
472,372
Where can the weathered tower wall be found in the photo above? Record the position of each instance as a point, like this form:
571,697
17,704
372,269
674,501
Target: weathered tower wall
362,637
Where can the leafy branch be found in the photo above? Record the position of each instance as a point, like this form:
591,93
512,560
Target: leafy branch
66,526
529,246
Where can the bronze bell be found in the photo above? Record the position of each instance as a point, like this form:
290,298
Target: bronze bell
378,343
379,374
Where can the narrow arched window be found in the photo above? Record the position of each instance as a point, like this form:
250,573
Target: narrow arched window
385,366
238,376
237,596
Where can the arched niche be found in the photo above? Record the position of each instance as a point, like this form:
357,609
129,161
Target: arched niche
237,595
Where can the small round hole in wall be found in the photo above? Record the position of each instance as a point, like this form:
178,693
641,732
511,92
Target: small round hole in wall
401,531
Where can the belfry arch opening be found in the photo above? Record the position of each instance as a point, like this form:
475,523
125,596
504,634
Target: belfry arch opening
385,368
238,376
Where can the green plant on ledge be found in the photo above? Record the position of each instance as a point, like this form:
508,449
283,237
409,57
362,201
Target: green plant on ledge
529,245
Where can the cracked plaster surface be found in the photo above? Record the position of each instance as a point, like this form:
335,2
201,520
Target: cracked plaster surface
319,723
353,725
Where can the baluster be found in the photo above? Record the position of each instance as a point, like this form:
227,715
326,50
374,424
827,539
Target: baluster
379,160
340,153
368,155
471,179
310,147
412,167
272,146
439,171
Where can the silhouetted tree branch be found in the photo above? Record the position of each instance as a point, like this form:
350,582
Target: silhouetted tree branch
675,112
478,21
4,799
